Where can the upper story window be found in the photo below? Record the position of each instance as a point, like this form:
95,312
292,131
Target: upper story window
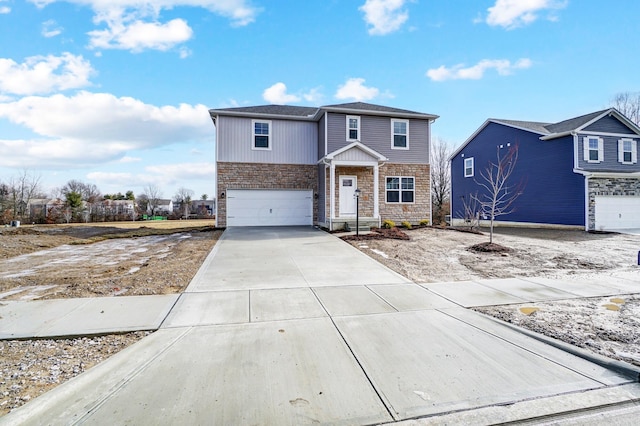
627,151
400,189
353,128
468,167
593,149
400,134
261,134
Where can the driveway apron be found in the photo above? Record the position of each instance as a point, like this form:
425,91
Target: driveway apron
294,326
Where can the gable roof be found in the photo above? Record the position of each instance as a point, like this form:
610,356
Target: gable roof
549,131
292,112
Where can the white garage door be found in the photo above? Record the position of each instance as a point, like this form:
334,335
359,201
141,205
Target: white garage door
617,212
268,207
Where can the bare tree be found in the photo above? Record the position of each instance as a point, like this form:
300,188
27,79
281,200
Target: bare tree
184,197
499,192
440,179
470,211
628,103
153,196
22,188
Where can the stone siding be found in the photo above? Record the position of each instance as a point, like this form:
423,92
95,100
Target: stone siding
611,187
364,176
421,207
264,176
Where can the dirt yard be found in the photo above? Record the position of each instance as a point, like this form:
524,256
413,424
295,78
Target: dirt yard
48,262
607,326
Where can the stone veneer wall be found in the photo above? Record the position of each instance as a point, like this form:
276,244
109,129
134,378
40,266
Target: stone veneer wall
421,208
609,186
264,176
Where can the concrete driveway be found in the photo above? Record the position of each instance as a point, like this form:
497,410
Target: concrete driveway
294,326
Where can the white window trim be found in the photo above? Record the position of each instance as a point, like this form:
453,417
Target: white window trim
585,149
470,159
253,135
357,117
399,189
634,151
394,120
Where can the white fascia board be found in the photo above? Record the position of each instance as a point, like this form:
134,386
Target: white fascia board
633,175
265,116
615,135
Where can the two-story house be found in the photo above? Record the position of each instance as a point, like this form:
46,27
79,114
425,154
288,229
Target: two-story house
291,165
582,172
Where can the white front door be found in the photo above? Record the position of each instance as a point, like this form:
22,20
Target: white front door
348,185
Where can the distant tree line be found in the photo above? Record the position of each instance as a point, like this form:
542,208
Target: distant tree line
22,199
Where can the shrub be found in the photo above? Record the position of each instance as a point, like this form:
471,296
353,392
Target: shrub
424,222
388,224
406,224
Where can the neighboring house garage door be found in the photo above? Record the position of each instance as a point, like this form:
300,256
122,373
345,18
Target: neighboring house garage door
269,207
617,212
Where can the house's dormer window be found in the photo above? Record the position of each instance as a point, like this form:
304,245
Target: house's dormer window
468,167
400,134
261,134
353,128
627,151
593,149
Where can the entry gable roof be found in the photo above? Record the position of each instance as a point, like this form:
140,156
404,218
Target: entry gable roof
358,146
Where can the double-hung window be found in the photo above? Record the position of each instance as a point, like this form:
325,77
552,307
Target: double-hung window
593,149
400,134
627,151
353,128
468,167
261,134
400,189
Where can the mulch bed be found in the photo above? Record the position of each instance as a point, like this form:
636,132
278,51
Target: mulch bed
379,234
489,248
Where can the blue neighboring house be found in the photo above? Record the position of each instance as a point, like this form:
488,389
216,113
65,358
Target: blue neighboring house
578,173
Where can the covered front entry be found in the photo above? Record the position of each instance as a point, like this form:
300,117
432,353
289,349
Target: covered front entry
269,207
352,167
617,212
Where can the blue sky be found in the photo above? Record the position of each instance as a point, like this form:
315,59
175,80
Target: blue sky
116,92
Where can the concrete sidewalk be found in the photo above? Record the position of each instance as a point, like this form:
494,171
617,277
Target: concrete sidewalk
294,326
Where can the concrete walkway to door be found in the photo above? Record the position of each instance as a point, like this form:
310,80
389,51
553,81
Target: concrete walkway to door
294,326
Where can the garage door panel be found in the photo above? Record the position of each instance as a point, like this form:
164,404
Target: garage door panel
269,207
617,212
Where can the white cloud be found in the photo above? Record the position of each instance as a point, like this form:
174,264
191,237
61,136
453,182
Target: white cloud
4,10
138,35
384,16
517,13
476,72
51,28
135,24
277,94
355,89
92,128
44,74
314,95
127,159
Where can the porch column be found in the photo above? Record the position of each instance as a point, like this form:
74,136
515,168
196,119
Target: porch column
332,189
376,201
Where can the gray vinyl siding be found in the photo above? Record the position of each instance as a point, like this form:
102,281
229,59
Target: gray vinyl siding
321,193
608,124
321,136
292,142
610,163
376,134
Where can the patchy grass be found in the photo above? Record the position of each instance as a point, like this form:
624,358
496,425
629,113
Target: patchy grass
141,232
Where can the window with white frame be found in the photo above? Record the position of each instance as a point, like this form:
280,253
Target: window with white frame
627,151
468,167
400,134
400,189
261,134
353,128
593,147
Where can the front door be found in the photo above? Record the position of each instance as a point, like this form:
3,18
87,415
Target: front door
347,195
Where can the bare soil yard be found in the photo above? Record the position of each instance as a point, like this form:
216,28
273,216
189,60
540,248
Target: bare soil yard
49,262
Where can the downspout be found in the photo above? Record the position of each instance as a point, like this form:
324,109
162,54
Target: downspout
586,202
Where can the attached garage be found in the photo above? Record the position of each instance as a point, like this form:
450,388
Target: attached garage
617,212
269,207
